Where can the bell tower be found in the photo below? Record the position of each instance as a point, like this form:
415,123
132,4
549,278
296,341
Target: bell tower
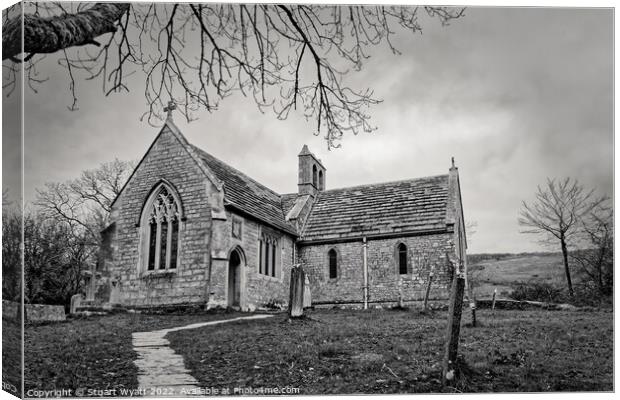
311,173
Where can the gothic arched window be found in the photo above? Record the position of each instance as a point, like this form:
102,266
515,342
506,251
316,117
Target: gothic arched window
402,259
333,264
160,229
321,187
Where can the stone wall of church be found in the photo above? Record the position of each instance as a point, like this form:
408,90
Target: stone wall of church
385,282
257,290
169,160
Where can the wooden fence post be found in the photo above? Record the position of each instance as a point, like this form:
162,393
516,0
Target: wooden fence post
493,303
428,290
296,298
455,310
472,307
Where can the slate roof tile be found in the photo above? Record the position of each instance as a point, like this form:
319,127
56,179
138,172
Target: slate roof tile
246,194
404,206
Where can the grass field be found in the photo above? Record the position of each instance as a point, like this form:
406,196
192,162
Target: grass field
11,356
381,351
93,352
337,351
503,273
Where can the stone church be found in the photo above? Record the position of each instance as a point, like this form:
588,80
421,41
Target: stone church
187,229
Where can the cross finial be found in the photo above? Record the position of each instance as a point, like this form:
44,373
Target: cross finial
169,108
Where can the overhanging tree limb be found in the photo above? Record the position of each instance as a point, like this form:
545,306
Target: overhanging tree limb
44,35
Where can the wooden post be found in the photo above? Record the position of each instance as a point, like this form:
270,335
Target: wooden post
493,303
455,310
296,298
472,307
428,290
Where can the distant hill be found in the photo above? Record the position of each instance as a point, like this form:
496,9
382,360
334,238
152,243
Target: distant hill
502,270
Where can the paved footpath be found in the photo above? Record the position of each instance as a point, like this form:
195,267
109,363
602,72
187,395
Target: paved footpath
161,371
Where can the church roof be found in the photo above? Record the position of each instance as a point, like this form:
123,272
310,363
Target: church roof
247,195
409,206
288,201
417,205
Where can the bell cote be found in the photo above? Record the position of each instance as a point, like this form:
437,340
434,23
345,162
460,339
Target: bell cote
311,173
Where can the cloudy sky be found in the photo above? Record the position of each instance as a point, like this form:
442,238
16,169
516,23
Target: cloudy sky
514,94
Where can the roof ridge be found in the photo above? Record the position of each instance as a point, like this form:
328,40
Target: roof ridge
386,183
238,171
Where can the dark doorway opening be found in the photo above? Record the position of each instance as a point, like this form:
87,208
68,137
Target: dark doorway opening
234,279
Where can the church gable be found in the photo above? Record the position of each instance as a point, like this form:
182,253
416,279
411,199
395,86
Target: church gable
177,257
170,143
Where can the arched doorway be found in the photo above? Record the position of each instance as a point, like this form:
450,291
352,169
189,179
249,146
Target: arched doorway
234,278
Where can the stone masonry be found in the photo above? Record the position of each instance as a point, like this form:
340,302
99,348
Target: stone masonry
224,215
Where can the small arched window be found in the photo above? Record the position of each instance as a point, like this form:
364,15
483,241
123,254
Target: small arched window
333,264
314,181
160,230
402,259
321,180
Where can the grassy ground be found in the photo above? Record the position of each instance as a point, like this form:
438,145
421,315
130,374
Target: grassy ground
11,356
502,274
93,352
399,352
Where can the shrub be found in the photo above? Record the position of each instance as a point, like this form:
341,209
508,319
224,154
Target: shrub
537,291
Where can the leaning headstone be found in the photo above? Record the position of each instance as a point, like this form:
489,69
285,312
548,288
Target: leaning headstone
296,298
76,301
453,329
307,294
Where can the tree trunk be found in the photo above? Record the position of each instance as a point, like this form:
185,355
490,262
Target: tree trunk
296,298
566,269
51,34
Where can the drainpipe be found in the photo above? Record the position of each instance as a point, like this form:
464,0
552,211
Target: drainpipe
365,273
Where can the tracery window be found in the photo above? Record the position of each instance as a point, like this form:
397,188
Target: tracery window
161,230
268,257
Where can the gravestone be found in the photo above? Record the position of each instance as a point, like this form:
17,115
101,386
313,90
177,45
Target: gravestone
296,298
114,292
76,301
307,294
454,325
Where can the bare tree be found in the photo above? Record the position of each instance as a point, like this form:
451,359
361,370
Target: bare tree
83,204
11,254
62,237
284,56
556,213
595,255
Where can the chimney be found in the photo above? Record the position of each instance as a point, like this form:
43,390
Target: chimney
311,173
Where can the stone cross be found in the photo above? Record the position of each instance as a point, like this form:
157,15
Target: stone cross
169,108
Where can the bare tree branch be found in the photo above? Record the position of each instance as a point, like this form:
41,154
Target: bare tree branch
286,57
52,34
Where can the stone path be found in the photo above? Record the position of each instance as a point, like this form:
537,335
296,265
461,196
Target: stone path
161,371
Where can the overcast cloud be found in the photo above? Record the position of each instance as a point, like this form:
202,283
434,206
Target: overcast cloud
515,95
